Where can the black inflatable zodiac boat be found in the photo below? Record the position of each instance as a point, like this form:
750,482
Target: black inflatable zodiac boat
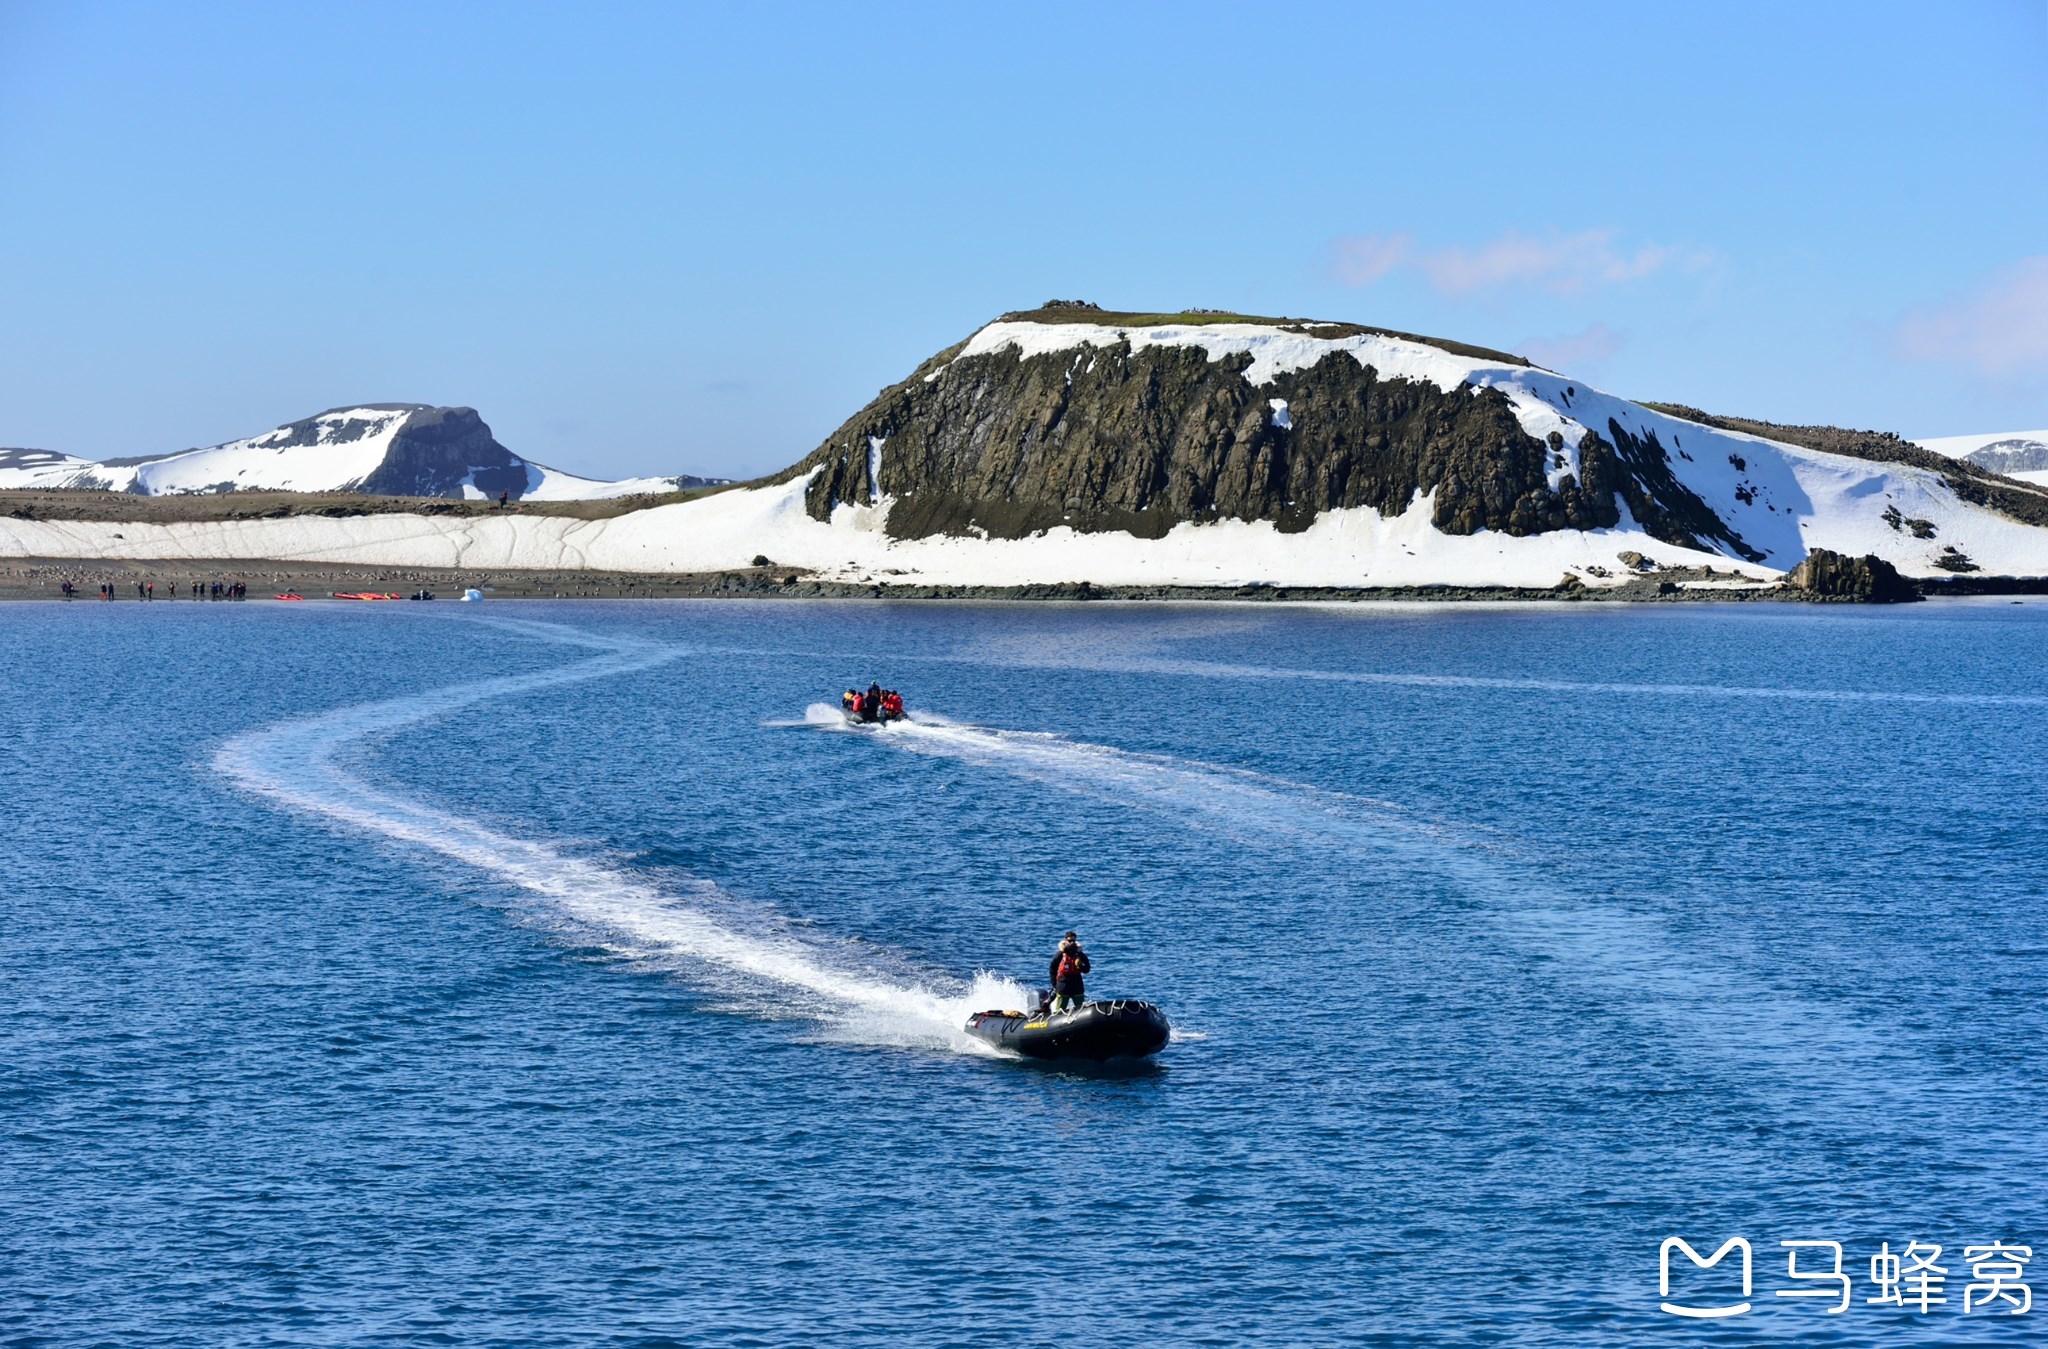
1094,1031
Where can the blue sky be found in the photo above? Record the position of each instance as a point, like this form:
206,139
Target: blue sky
662,239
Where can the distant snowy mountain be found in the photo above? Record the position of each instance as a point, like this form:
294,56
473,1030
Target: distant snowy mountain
2016,454
389,449
44,468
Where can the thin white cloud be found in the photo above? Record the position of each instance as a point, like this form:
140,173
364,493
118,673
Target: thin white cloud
1998,328
1364,258
1563,264
1580,351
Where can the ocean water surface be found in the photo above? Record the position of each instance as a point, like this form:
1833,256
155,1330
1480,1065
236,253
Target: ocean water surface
565,974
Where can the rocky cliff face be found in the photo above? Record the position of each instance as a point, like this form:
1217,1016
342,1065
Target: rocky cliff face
1127,433
437,449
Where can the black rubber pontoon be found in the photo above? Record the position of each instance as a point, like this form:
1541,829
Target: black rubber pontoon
1095,1031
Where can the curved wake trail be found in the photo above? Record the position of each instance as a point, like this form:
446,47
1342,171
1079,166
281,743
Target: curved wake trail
1216,670
292,764
1203,669
1696,994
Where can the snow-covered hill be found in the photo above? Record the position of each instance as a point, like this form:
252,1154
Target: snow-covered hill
2017,454
45,468
334,450
398,449
1184,450
1300,434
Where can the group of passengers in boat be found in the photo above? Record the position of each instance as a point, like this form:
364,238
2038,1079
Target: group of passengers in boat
877,704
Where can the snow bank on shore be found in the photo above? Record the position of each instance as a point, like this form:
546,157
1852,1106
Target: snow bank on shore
1354,547
726,531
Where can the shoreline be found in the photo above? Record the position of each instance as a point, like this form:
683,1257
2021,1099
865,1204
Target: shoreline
32,579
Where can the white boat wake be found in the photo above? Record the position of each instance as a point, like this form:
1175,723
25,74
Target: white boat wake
1711,997
1023,655
293,764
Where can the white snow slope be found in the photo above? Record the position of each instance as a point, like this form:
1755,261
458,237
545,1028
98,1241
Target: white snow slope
352,443
1965,447
1792,500
551,484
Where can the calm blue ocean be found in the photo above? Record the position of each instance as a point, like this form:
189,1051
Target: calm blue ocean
554,973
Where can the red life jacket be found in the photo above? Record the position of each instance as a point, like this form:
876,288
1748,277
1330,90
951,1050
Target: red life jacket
859,701
1069,967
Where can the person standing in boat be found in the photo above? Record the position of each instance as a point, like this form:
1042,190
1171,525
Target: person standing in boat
1069,963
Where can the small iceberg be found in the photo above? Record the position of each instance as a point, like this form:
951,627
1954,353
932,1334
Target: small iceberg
472,594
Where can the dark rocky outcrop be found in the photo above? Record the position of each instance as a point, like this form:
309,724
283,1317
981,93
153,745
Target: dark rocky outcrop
1826,575
1954,559
433,452
1140,440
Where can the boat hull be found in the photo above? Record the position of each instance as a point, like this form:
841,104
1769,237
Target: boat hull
1095,1032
